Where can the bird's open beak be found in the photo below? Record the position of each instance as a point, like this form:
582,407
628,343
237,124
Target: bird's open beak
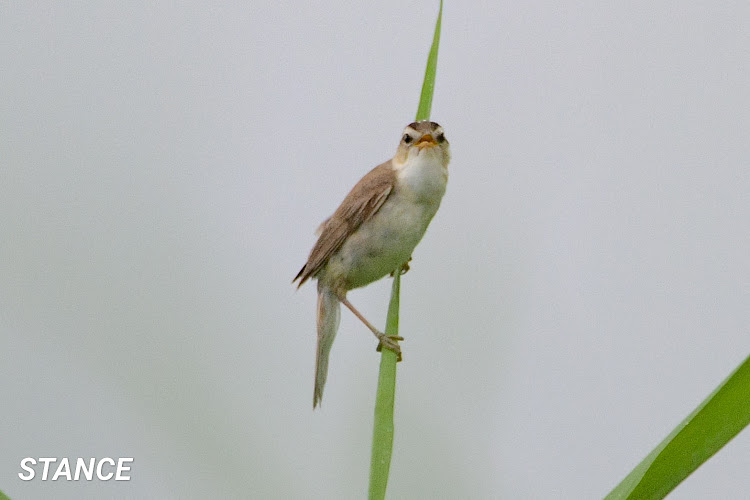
426,141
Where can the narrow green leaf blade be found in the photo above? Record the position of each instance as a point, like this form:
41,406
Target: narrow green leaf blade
383,428
382,435
428,87
720,417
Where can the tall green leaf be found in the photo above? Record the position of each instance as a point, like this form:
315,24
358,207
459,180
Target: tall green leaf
717,420
382,435
428,87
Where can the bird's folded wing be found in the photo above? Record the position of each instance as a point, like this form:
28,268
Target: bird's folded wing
362,202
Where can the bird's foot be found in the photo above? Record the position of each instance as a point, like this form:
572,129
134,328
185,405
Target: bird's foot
404,268
390,343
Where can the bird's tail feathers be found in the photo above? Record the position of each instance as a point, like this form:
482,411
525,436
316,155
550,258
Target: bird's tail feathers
329,313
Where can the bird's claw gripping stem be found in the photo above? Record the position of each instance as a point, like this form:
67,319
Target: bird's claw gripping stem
390,342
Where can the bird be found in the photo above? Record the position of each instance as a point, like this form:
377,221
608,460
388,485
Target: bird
374,232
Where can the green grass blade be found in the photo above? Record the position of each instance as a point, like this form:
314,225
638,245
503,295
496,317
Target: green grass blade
428,87
720,417
382,435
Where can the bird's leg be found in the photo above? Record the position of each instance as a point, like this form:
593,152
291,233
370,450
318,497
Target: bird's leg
389,342
404,268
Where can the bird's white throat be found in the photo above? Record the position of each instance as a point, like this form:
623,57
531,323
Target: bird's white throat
423,175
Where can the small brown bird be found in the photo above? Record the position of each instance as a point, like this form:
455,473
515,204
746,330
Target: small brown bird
374,232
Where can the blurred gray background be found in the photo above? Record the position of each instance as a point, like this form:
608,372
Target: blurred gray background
583,287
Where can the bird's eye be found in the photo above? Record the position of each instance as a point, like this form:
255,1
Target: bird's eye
407,138
441,138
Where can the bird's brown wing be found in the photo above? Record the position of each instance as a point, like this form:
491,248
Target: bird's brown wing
362,202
